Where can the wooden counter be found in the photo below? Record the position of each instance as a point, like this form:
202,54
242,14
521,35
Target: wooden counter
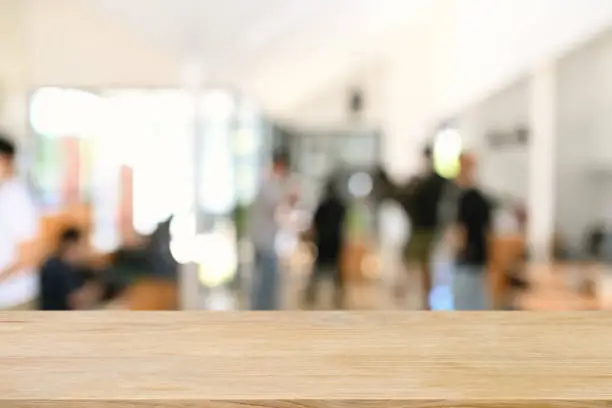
305,360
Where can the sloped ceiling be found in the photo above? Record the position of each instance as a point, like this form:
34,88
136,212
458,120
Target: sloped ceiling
487,44
275,50
283,52
467,50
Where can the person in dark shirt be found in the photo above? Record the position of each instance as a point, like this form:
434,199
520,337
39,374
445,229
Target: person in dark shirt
422,205
61,285
474,220
161,263
596,238
328,228
421,199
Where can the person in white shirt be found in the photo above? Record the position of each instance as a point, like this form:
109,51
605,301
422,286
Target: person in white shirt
18,227
264,229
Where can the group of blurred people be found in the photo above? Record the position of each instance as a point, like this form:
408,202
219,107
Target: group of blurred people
34,276
278,193
456,211
62,281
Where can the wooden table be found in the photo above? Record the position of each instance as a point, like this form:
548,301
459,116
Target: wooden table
305,360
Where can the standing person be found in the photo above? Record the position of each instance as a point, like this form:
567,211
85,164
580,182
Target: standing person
422,202
18,227
265,225
474,221
328,231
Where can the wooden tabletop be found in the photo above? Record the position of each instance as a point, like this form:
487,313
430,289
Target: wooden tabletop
285,360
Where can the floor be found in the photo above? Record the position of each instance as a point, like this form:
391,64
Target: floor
556,288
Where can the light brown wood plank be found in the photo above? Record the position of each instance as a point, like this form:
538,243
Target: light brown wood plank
309,404
308,360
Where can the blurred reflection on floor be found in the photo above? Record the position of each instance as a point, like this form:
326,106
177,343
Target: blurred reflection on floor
371,295
567,286
557,288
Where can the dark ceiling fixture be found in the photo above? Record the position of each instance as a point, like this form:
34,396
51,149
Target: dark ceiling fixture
356,103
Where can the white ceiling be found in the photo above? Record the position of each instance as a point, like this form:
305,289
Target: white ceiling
276,50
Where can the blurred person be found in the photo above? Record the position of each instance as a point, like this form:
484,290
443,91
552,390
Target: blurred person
328,230
422,203
473,228
594,251
18,227
61,285
132,259
595,239
265,226
161,262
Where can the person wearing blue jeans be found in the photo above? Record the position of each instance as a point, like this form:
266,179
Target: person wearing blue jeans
474,220
470,288
264,228
266,286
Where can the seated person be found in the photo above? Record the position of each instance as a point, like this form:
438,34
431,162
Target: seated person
61,285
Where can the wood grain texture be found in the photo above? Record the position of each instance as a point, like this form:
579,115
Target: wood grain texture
306,404
305,360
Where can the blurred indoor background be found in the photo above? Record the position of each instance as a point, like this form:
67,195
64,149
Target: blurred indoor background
155,122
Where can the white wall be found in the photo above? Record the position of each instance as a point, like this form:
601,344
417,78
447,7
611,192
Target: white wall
584,147
67,44
487,44
503,170
10,61
12,67
62,43
583,175
484,53
408,85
